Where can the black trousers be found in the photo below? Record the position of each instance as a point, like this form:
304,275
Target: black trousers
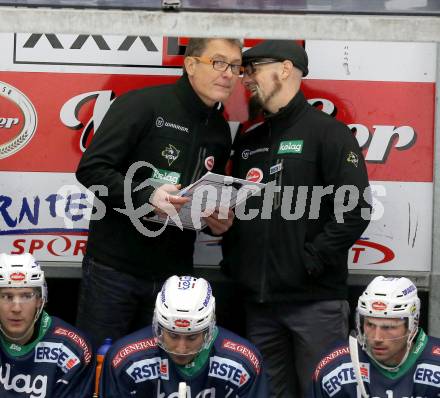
112,303
292,337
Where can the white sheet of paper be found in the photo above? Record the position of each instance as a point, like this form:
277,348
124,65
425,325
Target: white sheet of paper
212,191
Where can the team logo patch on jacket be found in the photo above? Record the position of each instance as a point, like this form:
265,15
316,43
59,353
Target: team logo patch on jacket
255,174
209,163
226,369
166,176
170,153
353,158
293,146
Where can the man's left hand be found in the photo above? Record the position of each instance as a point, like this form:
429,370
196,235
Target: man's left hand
220,220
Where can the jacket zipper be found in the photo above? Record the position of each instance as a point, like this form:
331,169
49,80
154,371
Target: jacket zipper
198,169
279,182
192,153
262,297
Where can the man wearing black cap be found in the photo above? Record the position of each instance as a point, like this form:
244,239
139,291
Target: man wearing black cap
292,257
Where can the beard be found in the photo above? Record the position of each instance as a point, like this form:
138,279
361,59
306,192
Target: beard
258,102
255,107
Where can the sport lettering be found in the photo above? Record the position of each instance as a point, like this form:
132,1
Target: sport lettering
36,388
227,369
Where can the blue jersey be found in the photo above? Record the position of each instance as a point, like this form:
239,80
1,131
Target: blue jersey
57,364
136,366
417,377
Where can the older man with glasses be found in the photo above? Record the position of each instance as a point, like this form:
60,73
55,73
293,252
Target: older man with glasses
40,355
180,131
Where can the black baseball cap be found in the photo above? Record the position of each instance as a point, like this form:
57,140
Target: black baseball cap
281,50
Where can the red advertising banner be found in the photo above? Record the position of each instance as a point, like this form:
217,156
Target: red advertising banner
393,121
55,90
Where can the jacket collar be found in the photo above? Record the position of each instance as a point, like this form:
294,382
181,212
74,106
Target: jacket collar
191,101
291,111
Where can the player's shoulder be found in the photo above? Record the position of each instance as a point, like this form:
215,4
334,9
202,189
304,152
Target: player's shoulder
140,344
71,337
236,348
337,354
431,351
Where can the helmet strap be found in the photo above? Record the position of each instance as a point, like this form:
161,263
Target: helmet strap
395,368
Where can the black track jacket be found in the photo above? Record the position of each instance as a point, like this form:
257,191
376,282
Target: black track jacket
172,129
297,246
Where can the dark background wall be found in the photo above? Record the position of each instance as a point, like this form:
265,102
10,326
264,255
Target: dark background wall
63,298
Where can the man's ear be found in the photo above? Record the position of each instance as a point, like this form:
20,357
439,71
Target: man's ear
190,64
287,69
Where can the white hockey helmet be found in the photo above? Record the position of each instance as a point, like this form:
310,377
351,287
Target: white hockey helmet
389,297
185,305
21,270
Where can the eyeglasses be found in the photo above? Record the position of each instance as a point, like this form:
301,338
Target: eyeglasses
221,66
250,68
9,298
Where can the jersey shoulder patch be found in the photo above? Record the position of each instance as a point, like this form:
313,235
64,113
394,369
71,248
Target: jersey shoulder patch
74,337
244,351
130,348
329,358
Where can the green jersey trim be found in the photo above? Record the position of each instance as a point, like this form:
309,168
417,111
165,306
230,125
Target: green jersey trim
199,361
418,347
17,350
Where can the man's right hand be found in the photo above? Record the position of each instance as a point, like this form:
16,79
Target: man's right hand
165,203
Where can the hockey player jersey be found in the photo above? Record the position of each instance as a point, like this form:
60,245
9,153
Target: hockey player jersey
418,377
136,366
57,364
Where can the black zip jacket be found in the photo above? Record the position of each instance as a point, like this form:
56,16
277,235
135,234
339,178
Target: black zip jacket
172,129
297,246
